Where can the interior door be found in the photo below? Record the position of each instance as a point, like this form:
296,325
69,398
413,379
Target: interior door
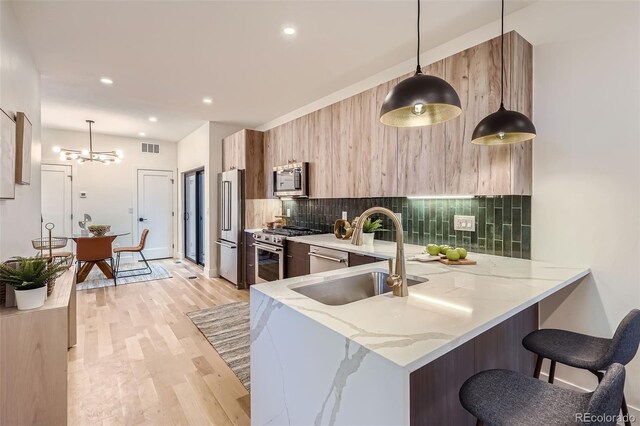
56,199
155,211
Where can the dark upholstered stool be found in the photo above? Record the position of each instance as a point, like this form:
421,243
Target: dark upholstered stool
503,397
595,354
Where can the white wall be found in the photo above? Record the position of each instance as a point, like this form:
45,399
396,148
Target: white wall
19,91
111,190
587,166
586,156
203,148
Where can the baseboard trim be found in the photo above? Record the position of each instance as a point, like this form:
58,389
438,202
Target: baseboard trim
568,385
211,273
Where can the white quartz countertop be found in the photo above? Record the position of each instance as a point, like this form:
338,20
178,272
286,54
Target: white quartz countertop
456,304
381,249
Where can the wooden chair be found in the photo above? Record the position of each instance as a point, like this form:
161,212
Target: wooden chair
94,251
138,249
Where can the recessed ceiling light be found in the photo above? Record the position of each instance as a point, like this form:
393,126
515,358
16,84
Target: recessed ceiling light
207,100
106,81
289,30
142,134
153,119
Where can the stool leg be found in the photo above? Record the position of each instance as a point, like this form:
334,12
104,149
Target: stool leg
625,412
552,371
536,373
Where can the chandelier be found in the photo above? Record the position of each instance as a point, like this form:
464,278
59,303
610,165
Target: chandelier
104,157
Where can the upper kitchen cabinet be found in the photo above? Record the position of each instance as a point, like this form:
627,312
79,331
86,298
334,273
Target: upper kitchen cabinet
475,74
364,151
319,154
520,98
245,150
300,139
422,152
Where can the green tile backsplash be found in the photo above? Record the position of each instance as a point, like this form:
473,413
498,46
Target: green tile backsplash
503,224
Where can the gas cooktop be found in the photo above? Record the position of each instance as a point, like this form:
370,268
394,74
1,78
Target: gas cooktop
291,231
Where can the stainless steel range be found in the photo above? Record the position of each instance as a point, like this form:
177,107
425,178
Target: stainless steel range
269,247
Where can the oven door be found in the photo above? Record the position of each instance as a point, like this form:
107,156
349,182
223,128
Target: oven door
269,263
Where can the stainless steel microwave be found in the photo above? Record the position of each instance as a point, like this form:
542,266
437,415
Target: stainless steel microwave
291,181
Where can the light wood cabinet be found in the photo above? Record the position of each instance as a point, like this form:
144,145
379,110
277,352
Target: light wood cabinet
33,358
421,153
244,150
320,159
352,155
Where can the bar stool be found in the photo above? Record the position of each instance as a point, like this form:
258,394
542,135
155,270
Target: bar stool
587,352
503,397
138,249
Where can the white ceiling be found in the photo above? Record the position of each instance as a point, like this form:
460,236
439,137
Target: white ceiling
165,56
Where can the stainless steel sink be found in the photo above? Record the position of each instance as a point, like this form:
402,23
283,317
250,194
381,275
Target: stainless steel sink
350,289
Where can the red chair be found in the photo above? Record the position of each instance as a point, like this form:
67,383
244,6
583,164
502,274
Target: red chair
138,249
94,251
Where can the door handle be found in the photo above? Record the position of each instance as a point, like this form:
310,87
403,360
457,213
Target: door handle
333,259
142,219
220,243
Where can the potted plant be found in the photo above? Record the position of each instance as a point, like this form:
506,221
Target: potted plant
29,277
368,229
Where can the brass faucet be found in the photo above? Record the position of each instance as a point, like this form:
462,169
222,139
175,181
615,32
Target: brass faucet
398,280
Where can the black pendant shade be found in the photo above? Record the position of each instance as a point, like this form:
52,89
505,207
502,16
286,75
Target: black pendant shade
503,127
420,100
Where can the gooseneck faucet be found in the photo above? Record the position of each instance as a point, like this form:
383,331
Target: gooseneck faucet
398,280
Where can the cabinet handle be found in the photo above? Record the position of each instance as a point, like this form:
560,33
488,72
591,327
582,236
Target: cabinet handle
289,256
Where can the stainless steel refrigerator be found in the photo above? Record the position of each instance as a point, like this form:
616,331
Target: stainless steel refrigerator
231,226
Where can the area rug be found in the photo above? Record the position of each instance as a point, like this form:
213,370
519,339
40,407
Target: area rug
226,327
96,278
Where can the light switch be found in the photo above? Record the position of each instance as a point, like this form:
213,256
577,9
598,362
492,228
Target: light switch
464,223
83,194
344,216
288,212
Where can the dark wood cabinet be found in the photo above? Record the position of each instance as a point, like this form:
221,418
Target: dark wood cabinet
250,258
362,259
297,259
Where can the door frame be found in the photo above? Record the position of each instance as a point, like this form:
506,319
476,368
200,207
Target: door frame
70,166
199,203
134,203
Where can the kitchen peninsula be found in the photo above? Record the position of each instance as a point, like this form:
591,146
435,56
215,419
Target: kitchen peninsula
393,360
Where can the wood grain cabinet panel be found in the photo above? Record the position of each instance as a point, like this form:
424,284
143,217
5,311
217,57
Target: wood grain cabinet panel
421,152
244,150
521,100
352,155
320,159
300,139
382,170
269,161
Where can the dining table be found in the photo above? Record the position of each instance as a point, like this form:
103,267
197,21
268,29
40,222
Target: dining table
88,265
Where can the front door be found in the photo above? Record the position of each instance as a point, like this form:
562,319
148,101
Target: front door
155,212
56,199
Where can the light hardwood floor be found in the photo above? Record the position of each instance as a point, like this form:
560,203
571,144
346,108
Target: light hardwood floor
140,360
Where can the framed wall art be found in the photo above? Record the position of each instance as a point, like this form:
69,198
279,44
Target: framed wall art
23,149
7,156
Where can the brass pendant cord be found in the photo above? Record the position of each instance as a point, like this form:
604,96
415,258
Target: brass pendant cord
502,56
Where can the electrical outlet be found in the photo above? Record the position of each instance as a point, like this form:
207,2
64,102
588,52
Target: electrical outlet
344,216
464,223
399,216
288,212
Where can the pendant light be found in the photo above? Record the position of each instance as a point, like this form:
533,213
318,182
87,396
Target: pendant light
81,156
503,126
420,100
